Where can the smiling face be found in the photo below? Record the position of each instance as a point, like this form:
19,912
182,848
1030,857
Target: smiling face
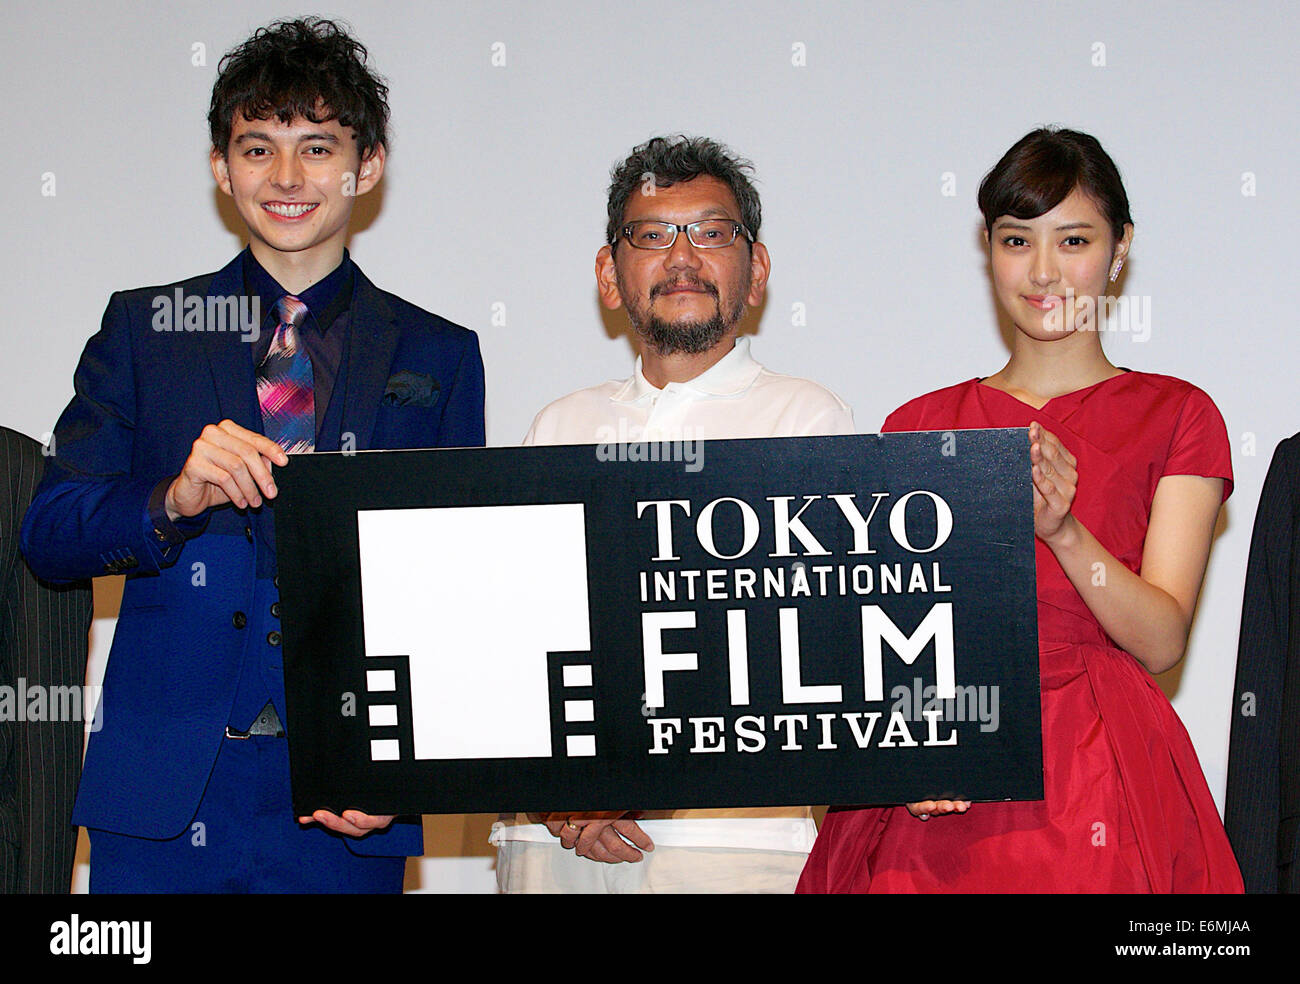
683,299
294,186
1043,267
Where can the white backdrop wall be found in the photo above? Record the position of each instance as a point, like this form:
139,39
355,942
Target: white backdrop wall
870,123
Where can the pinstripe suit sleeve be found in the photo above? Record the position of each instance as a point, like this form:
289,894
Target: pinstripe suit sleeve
10,828
44,638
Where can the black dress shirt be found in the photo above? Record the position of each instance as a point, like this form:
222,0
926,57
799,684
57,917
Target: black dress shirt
324,332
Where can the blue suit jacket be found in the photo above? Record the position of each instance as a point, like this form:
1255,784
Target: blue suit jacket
409,379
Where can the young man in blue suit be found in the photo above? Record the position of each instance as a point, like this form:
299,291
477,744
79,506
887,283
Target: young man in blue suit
165,469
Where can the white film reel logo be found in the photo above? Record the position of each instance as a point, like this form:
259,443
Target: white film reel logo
477,597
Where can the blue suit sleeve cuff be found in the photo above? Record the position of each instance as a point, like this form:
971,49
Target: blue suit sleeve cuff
168,535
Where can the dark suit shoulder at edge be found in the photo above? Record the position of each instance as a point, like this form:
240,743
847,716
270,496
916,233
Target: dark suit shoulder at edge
1288,449
409,314
191,285
413,316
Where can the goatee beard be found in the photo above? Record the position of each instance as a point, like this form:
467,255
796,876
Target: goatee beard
687,337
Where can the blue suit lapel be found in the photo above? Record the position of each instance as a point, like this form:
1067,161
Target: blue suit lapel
372,343
231,358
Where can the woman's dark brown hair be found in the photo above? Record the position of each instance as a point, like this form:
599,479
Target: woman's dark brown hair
1041,170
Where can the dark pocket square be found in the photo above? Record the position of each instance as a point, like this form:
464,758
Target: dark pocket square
410,389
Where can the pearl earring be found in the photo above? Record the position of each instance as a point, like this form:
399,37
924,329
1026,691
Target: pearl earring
1114,274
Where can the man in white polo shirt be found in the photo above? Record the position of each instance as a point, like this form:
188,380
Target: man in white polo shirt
683,258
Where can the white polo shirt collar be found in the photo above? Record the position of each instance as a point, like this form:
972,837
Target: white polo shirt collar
729,377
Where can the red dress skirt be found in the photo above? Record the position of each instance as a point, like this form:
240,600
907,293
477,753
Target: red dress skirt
1126,806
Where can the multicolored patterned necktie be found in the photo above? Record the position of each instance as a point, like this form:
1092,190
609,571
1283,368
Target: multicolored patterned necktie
284,382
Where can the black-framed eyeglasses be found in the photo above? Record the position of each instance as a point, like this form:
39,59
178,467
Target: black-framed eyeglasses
705,234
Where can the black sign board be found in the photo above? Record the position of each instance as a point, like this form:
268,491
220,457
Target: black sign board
785,621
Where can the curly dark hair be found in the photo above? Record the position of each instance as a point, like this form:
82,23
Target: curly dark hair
681,158
310,68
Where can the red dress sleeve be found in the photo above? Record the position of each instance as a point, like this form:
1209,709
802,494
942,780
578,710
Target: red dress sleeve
1200,443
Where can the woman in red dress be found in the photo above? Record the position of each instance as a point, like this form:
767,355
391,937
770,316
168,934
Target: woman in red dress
1129,472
